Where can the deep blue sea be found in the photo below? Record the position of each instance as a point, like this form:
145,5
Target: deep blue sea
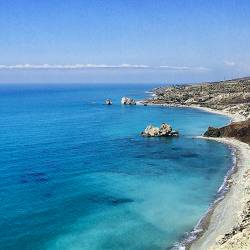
76,174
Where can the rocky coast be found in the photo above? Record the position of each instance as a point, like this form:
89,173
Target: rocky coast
227,224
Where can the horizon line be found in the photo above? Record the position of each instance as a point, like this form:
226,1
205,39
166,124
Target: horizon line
98,66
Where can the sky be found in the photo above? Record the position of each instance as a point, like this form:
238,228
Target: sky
123,41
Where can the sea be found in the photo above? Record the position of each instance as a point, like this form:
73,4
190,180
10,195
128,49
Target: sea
75,174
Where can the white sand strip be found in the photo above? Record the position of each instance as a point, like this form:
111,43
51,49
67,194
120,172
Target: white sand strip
228,212
234,117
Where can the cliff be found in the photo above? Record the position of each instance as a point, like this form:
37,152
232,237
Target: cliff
238,130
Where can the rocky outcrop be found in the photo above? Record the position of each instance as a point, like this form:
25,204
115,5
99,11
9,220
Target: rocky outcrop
238,130
108,102
150,130
128,101
164,130
213,132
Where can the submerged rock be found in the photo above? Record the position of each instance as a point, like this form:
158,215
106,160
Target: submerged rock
108,102
164,130
128,101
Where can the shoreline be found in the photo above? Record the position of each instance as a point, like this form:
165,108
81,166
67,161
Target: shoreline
222,227
204,222
217,229
226,213
234,117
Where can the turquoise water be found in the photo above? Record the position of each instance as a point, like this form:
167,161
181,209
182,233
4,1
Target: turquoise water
75,174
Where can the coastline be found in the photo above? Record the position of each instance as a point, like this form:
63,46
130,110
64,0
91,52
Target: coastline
204,222
221,226
233,117
226,224
217,229
227,214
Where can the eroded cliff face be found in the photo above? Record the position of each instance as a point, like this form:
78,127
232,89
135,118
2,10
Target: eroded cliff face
238,130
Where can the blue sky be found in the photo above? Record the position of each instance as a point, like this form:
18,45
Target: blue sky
124,41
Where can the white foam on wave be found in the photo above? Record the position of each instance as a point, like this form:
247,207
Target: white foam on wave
224,186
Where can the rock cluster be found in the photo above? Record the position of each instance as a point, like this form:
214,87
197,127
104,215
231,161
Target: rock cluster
108,102
163,130
128,101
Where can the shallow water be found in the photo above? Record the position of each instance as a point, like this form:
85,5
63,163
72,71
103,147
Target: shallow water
75,174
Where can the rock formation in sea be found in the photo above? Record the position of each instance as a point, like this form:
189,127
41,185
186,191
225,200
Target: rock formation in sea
108,102
238,130
128,101
163,130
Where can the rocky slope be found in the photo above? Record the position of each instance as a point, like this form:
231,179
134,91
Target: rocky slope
238,130
232,96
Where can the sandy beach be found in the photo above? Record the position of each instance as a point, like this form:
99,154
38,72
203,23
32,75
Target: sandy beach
234,117
228,227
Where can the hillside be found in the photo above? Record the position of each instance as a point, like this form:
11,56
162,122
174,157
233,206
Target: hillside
232,96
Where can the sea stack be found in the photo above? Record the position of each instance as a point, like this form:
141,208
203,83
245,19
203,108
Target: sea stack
128,101
108,102
164,130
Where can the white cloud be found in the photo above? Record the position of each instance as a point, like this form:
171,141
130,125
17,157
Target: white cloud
184,68
229,63
71,66
96,66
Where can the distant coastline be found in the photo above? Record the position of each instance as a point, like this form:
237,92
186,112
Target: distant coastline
233,117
